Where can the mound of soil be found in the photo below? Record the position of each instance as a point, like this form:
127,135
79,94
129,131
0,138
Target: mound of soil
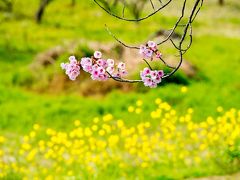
59,82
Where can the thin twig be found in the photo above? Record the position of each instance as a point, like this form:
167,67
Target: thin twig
161,2
121,42
152,5
148,64
166,64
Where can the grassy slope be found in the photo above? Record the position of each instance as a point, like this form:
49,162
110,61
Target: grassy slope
221,87
215,56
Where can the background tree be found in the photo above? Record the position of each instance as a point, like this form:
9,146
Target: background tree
73,2
6,5
41,9
221,2
134,7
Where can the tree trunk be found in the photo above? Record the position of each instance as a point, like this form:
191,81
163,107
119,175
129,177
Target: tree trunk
41,10
221,2
73,2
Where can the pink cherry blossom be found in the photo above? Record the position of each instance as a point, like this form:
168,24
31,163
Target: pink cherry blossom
63,65
97,54
95,74
142,49
102,63
151,78
110,63
153,75
103,77
86,61
145,72
147,51
110,69
95,67
72,68
158,80
72,59
99,74
100,69
121,66
86,64
160,73
151,44
158,55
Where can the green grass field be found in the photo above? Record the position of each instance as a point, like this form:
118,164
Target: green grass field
65,114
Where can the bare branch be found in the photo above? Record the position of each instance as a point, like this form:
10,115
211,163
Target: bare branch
187,30
128,19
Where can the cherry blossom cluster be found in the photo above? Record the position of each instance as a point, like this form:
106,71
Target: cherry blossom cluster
151,78
100,69
103,69
72,68
149,50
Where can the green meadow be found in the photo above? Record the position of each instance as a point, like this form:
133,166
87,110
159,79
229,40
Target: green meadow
39,120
